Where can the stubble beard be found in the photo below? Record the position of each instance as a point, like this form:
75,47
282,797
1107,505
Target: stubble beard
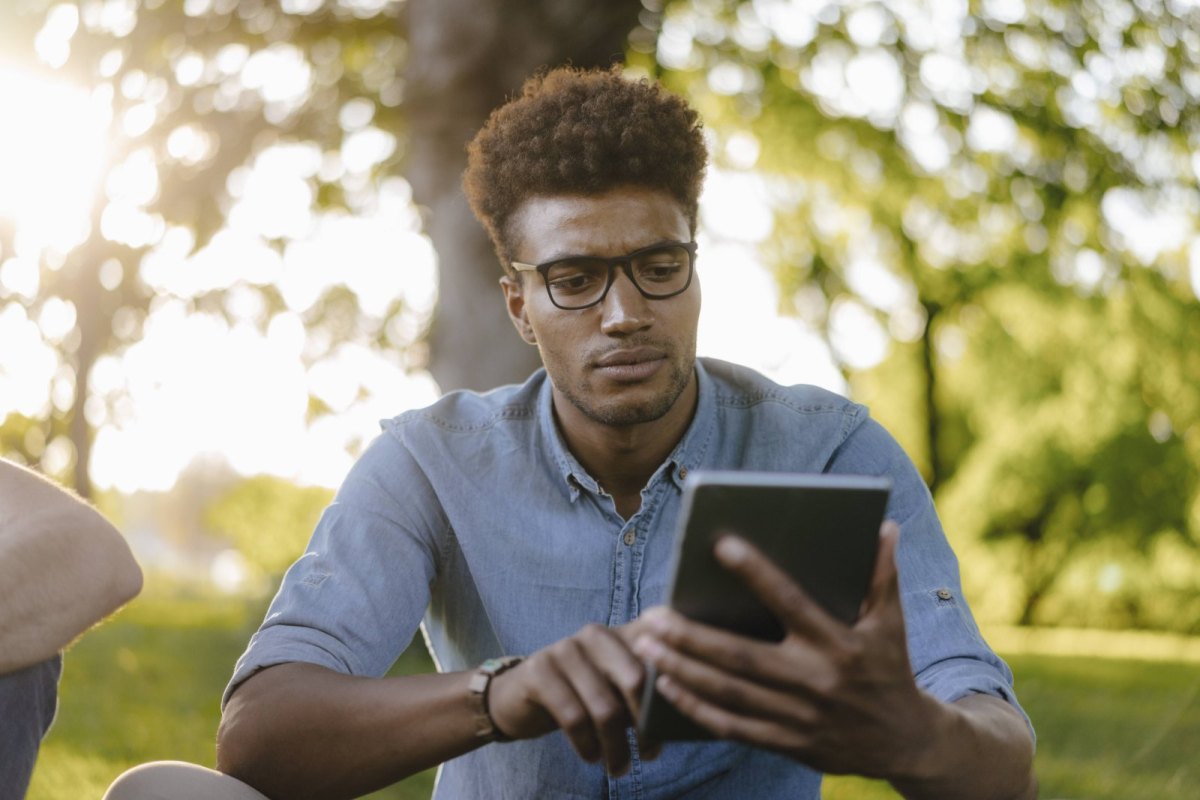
625,414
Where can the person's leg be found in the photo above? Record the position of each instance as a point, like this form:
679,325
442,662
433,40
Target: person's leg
176,780
28,698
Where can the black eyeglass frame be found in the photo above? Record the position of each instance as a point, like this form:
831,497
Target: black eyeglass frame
625,261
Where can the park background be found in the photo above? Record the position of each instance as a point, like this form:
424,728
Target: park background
232,239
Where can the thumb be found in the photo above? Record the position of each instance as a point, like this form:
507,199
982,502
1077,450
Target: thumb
885,580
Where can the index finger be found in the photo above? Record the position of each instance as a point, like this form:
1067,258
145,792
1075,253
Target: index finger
798,612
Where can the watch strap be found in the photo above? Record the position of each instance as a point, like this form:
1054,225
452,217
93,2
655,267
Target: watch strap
477,688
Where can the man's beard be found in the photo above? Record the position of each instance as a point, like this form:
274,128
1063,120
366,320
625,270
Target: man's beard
620,415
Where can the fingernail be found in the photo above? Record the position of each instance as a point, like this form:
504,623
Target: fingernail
731,550
660,622
667,687
647,648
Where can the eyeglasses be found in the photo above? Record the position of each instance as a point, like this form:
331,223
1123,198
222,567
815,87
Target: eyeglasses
577,282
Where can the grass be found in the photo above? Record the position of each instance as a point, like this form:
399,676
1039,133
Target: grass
146,685
1108,729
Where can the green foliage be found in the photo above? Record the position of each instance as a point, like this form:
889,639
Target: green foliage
269,520
1026,187
1044,360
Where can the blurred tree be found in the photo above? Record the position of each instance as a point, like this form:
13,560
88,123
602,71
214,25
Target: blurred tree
1004,194
268,520
1007,190
465,59
202,91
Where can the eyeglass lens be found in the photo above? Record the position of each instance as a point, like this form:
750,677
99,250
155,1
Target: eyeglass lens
658,272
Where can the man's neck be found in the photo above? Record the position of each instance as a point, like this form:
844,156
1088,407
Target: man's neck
622,458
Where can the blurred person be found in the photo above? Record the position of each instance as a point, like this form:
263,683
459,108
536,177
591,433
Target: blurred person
63,568
527,529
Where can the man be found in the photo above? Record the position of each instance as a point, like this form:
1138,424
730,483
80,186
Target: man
63,568
536,521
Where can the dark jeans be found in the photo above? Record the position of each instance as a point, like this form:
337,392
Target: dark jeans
28,699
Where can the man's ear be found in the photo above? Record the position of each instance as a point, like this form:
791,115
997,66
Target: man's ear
514,301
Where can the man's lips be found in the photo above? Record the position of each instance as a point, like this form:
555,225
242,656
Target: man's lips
634,364
629,357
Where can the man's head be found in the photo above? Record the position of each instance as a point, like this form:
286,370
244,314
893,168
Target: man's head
576,132
601,175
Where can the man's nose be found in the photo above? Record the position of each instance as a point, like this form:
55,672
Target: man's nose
624,309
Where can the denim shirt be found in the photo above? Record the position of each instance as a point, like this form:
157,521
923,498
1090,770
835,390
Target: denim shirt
472,519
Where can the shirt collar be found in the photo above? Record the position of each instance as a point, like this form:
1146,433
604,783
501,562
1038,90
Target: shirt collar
687,455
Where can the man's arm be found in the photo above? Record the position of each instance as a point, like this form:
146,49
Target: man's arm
303,731
839,698
63,568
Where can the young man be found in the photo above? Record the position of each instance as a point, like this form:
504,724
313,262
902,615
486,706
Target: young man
536,521
63,568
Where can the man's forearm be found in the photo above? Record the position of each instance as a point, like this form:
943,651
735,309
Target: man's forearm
302,731
63,568
981,750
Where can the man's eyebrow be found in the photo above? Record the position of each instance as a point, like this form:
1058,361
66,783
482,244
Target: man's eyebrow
576,254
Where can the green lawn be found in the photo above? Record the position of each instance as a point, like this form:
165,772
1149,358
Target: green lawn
146,685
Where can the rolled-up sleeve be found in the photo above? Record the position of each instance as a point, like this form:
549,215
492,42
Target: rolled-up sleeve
949,656
354,599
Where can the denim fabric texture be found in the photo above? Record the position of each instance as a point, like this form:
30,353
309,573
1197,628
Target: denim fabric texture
471,519
28,701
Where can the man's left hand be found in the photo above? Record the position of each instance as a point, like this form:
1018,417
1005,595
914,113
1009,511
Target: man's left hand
839,698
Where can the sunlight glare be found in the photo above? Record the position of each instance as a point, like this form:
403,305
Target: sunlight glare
52,149
740,320
27,365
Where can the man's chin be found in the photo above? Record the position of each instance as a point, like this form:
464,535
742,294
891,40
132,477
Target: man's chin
627,411
623,416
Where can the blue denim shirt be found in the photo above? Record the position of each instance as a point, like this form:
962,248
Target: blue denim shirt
472,519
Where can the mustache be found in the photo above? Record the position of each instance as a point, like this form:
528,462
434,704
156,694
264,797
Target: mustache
595,356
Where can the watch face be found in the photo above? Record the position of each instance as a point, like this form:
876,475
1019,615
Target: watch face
494,666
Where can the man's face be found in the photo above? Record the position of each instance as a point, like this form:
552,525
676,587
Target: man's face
628,359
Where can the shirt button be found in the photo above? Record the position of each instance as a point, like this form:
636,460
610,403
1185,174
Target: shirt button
944,594
629,537
682,473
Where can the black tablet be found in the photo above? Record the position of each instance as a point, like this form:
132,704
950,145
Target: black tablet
821,529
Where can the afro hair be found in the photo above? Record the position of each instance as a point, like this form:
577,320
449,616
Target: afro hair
575,131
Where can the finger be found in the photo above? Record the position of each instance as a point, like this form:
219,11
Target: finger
730,691
606,713
782,595
738,655
612,653
725,724
550,690
648,750
884,590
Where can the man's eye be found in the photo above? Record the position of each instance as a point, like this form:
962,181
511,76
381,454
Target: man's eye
572,283
660,272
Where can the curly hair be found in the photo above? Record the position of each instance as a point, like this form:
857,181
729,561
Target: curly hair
574,131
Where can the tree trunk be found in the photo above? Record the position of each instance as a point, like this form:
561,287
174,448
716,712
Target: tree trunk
932,419
92,325
465,59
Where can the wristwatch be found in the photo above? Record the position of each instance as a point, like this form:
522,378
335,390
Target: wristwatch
481,681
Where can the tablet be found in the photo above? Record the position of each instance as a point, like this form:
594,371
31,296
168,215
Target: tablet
821,529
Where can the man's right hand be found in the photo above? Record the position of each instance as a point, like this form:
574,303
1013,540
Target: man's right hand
589,685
